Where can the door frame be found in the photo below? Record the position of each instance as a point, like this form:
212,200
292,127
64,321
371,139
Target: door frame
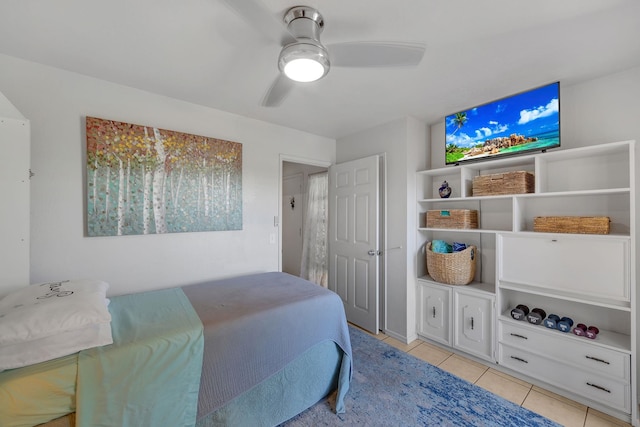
382,321
277,221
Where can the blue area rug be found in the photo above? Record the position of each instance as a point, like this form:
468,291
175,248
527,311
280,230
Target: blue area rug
393,388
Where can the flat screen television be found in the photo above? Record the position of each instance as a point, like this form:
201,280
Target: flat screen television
517,124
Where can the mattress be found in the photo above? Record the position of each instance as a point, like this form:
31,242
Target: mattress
311,345
34,394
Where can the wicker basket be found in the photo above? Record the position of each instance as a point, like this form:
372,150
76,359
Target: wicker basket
457,268
452,218
572,224
517,182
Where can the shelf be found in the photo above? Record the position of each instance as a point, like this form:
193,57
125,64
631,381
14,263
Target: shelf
607,339
537,195
475,286
462,230
574,235
573,193
569,296
469,199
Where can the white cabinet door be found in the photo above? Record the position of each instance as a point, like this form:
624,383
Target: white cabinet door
473,324
584,266
433,304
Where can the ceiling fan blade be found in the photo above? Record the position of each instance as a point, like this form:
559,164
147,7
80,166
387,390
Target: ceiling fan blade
261,19
278,91
375,54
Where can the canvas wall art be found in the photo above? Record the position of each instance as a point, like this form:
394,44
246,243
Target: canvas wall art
146,180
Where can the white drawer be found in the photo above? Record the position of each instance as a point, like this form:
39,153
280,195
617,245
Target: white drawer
585,267
616,394
571,350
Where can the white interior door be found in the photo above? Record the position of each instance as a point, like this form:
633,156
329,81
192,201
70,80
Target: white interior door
354,237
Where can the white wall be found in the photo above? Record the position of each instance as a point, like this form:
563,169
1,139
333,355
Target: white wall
405,143
56,102
598,111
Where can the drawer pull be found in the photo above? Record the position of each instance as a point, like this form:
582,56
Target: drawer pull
472,323
518,336
434,311
597,360
521,360
599,387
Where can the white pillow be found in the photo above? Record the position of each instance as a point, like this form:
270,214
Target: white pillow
50,320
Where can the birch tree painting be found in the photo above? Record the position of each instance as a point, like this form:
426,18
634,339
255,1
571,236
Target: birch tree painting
145,180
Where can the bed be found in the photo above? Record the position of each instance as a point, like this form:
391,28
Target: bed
262,348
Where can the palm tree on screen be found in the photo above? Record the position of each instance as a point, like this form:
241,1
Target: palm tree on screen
459,120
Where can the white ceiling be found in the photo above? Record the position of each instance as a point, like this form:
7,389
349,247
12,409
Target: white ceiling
203,52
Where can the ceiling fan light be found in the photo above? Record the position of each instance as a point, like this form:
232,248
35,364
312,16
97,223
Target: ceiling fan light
304,62
303,70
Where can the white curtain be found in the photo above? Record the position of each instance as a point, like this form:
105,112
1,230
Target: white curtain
314,236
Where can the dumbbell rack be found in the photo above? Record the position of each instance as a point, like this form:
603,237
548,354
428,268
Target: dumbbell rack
585,277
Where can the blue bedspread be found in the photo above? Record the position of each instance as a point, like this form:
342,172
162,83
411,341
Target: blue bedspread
150,375
255,325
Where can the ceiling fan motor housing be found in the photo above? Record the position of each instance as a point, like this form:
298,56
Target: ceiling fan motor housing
305,24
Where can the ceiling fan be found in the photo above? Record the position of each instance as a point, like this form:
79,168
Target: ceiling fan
304,58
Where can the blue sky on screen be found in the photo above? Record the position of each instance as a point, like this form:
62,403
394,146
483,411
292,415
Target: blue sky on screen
530,113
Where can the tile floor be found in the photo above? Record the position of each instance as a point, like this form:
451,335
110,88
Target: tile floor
555,407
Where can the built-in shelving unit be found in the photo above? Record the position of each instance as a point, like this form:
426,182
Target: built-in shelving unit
589,278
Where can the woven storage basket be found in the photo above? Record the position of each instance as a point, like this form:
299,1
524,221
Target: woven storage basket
517,182
572,224
452,218
457,268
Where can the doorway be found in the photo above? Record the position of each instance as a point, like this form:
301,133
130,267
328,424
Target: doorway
290,231
293,211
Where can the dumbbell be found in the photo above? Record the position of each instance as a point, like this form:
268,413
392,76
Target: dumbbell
536,316
591,332
552,321
580,329
520,312
564,324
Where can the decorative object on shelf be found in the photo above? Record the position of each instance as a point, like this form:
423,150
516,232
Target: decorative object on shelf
452,218
572,224
457,268
516,182
520,312
444,190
